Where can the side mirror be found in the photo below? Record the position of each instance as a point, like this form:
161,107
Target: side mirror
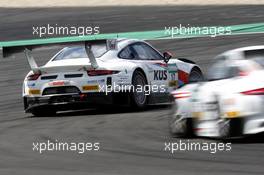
167,56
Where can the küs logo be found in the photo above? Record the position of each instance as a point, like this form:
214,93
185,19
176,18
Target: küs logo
160,75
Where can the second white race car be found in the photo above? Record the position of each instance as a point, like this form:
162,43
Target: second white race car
229,104
119,71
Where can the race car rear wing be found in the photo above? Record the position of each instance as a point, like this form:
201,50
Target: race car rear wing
26,46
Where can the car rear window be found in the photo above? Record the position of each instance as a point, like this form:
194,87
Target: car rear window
256,55
79,52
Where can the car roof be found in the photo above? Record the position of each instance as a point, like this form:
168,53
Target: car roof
236,54
122,42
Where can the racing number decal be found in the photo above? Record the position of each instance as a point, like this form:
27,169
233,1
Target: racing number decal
173,73
173,76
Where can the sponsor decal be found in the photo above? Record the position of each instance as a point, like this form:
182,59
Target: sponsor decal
90,88
173,83
96,81
173,76
34,91
31,84
121,79
58,83
160,75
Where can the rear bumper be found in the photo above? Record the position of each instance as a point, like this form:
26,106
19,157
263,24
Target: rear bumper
241,126
67,102
253,124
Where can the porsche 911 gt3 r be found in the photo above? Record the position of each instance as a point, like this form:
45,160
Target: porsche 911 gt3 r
230,103
105,72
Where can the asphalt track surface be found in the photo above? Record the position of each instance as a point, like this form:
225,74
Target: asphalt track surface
131,142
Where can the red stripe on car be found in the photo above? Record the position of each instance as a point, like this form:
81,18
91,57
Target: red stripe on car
183,76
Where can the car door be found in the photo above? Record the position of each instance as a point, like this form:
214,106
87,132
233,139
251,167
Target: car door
163,75
157,68
159,73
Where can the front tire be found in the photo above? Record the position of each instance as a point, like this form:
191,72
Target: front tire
224,128
231,128
223,124
179,125
182,127
195,75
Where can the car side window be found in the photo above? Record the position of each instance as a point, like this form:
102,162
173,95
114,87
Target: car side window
145,52
233,71
220,70
127,53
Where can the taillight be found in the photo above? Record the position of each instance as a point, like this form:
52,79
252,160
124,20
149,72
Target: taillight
178,95
243,73
259,91
101,72
34,76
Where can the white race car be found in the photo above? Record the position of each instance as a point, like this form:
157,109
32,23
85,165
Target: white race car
229,104
118,71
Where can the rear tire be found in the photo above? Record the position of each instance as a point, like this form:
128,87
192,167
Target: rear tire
138,99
